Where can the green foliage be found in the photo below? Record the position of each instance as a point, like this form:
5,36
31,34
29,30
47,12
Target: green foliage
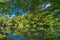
40,23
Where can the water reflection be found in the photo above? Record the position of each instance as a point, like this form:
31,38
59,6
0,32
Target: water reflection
13,37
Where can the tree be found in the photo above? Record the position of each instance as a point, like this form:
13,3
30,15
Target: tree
40,21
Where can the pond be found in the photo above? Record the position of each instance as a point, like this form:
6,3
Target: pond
13,37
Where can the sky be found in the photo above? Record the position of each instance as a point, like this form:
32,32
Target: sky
46,6
20,11
15,10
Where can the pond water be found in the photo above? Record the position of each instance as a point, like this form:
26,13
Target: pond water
13,37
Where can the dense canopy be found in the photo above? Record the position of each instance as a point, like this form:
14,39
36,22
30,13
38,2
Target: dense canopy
35,19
